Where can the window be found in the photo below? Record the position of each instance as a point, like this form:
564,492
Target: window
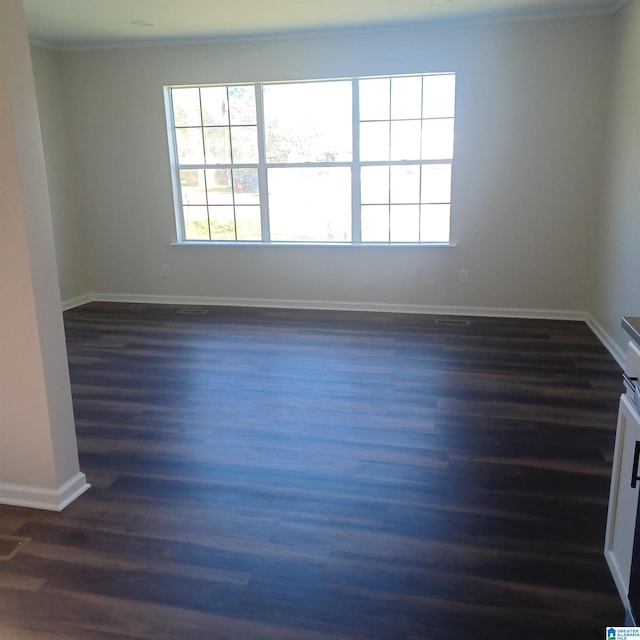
355,161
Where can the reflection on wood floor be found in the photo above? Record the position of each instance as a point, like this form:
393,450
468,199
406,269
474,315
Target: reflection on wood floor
294,475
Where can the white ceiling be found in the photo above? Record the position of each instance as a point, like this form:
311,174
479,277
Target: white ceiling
103,23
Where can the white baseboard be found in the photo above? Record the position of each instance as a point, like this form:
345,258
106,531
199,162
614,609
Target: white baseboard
76,302
40,498
332,305
490,312
606,340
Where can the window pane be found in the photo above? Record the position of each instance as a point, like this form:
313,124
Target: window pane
406,98
405,223
374,99
189,143
434,223
310,204
436,183
374,185
222,223
308,122
375,224
215,110
245,186
439,96
403,122
437,139
374,141
192,186
186,107
405,140
242,104
405,184
244,144
196,223
248,223
218,145
219,186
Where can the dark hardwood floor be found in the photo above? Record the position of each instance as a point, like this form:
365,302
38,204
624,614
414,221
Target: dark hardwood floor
294,475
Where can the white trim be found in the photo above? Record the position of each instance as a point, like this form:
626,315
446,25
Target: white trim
76,302
618,354
332,305
40,498
384,307
601,7
283,243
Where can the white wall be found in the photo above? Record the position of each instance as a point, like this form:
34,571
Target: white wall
616,245
532,97
68,221
38,453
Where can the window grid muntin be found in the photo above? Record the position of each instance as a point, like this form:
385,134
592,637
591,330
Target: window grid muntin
356,163
419,162
420,203
209,206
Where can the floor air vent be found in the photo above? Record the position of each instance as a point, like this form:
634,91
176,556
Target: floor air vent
192,311
453,322
10,546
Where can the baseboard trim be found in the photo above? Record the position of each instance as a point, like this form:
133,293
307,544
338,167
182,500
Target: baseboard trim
495,312
47,499
618,354
76,302
490,312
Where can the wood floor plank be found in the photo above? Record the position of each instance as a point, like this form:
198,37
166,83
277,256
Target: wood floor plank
306,475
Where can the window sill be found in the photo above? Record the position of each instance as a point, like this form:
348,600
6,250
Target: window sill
395,245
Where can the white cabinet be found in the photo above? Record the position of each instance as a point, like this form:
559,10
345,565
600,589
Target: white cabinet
622,539
623,497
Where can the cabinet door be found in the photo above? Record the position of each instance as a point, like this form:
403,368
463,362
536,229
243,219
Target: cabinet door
623,498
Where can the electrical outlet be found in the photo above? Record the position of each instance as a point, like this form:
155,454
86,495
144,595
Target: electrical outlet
165,270
464,276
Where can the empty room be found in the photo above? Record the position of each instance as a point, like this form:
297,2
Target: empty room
320,320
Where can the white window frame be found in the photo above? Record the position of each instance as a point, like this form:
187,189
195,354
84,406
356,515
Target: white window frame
262,167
